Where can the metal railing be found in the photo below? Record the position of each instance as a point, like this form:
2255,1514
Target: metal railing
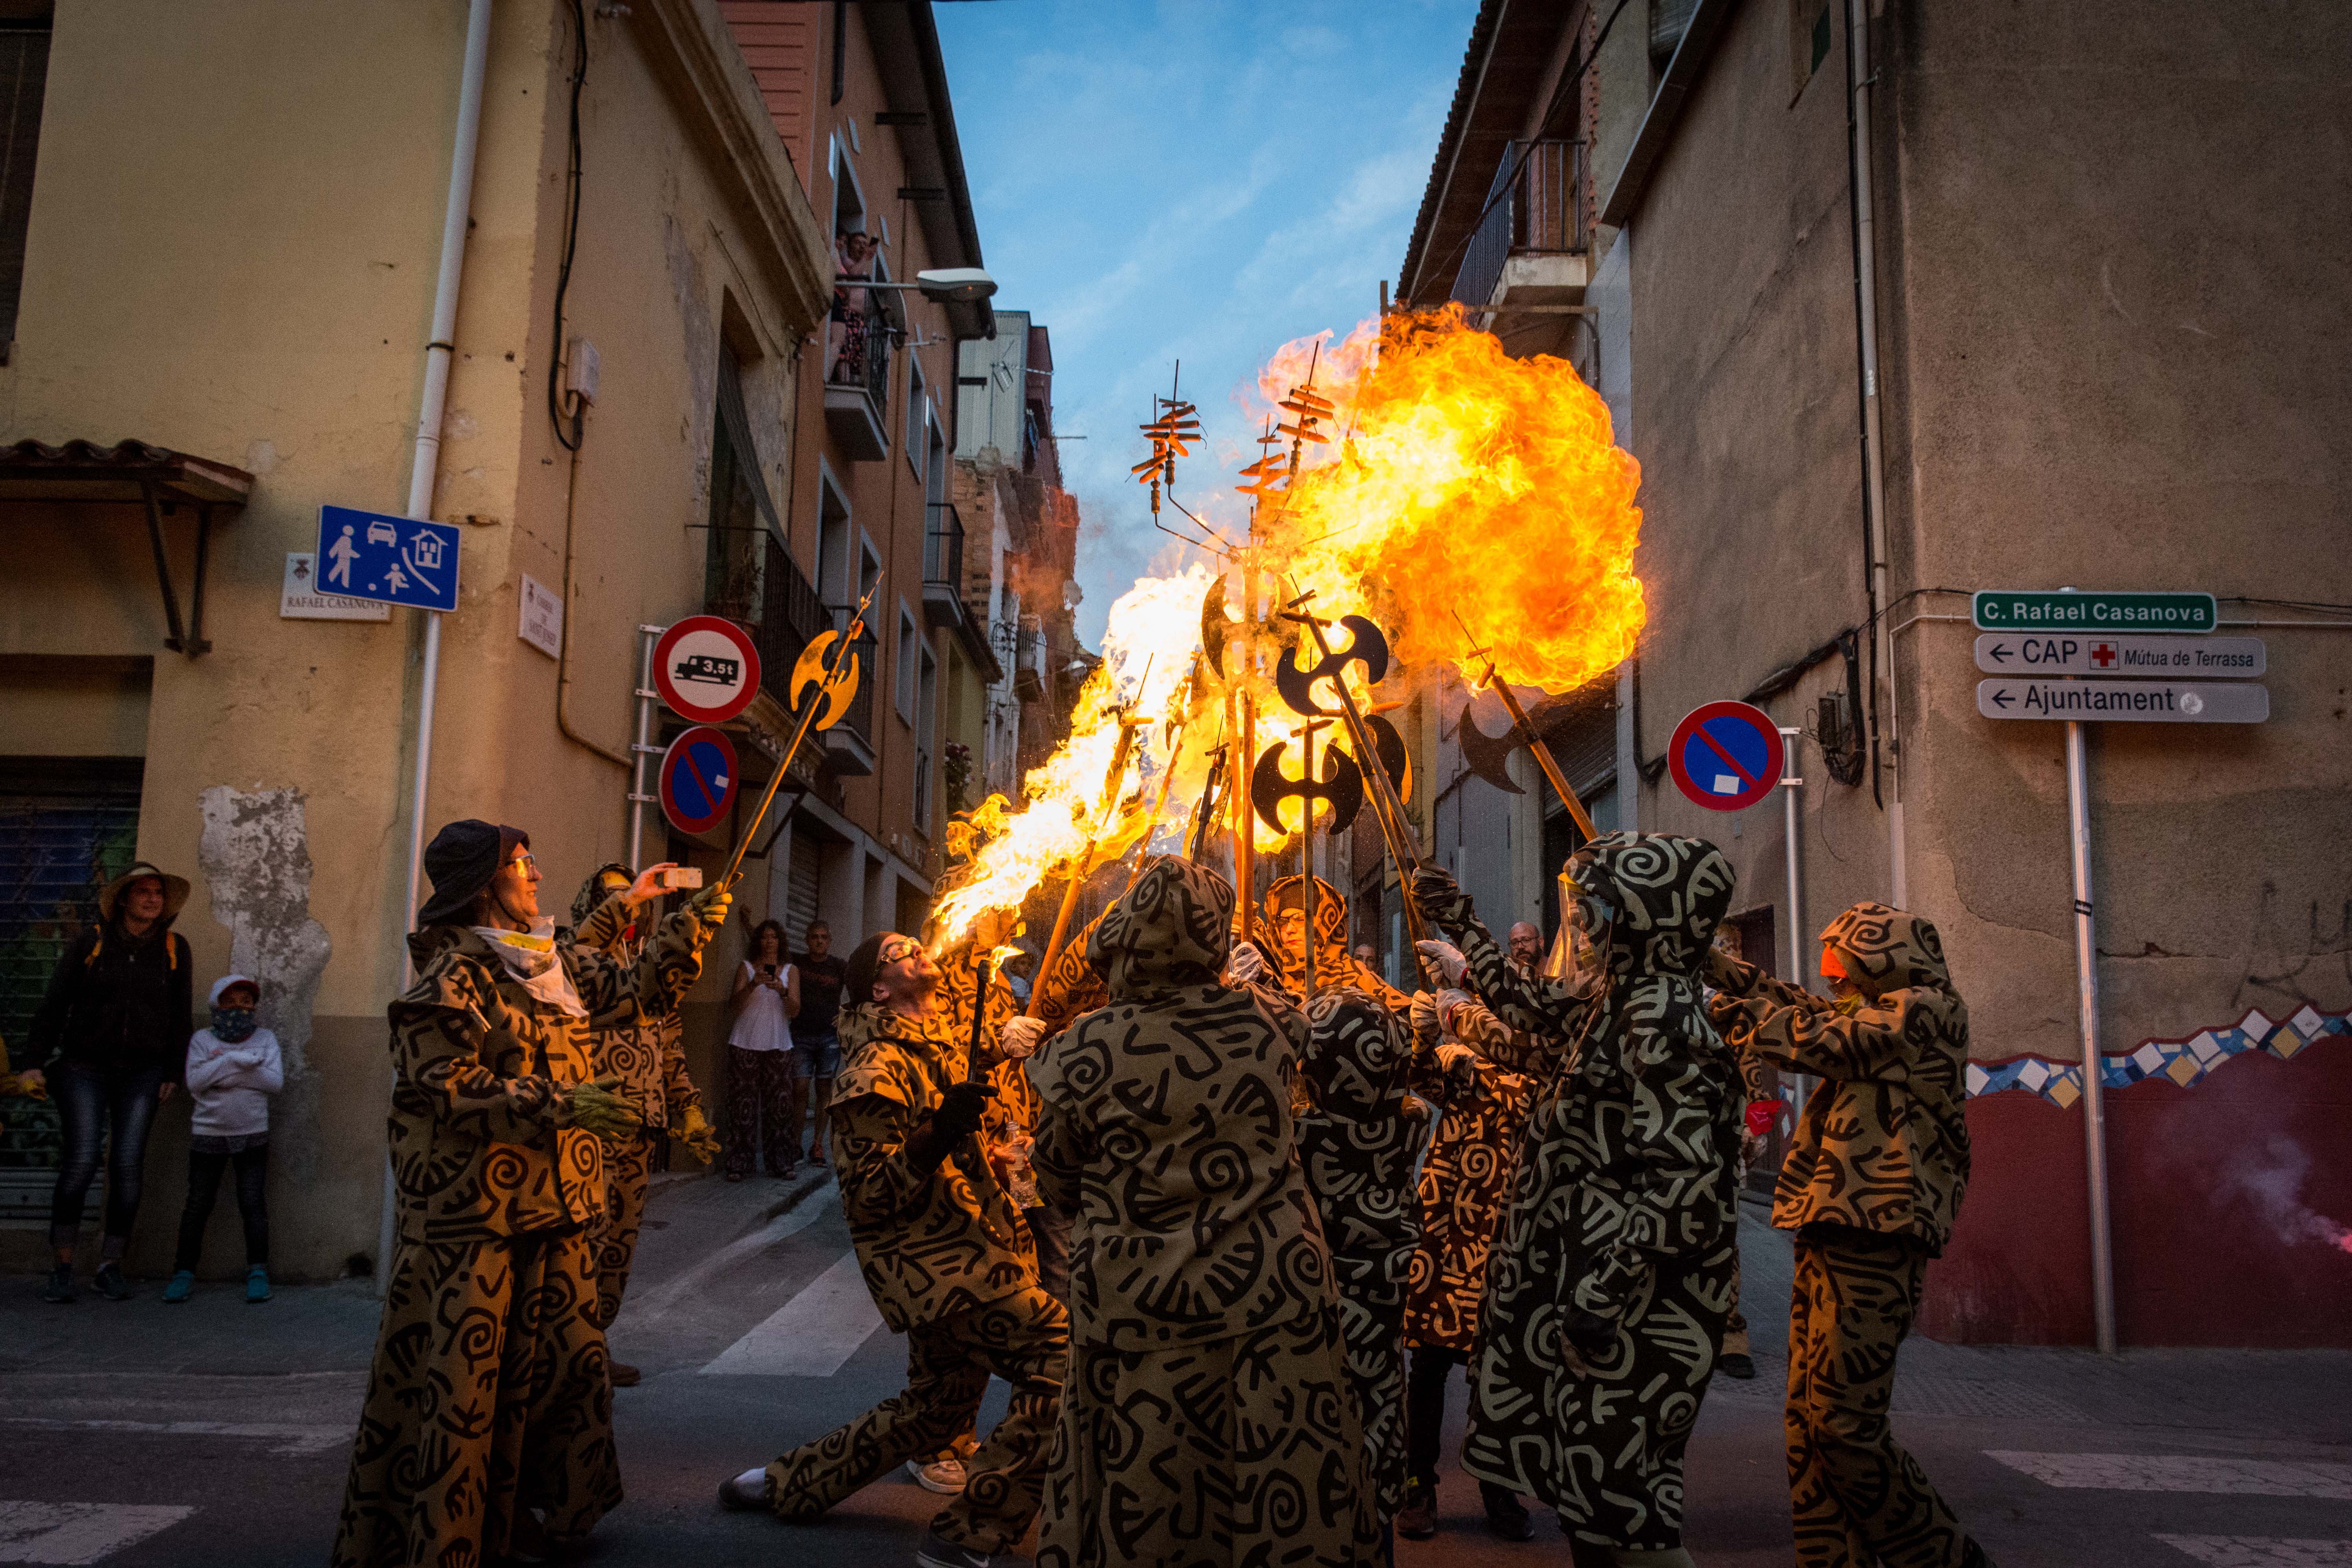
860,717
1538,209
943,546
752,580
858,345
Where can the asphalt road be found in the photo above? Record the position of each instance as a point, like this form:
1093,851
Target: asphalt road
217,1433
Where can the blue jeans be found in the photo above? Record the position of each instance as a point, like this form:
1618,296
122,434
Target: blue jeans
87,1100
816,1056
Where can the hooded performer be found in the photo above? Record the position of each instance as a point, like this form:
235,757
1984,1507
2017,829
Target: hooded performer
1608,1285
1484,1076
647,1053
1207,1420
1871,1185
1359,1135
487,1430
948,1261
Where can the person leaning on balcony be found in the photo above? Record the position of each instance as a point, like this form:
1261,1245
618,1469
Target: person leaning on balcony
488,1429
1870,1184
113,1033
648,1054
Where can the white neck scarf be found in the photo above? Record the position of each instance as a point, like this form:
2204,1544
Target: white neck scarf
531,957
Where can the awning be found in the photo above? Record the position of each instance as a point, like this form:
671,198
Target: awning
134,473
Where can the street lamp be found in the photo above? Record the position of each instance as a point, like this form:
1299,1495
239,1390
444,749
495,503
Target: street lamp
945,286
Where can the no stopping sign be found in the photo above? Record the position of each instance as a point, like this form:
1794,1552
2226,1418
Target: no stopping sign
697,780
1725,756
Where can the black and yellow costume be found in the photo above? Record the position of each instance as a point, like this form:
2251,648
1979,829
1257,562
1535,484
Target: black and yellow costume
1619,1233
488,1393
1871,1185
1207,1419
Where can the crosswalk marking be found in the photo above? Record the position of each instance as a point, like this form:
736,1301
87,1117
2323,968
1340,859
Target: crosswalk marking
810,1335
2263,1552
2211,1474
73,1532
286,1439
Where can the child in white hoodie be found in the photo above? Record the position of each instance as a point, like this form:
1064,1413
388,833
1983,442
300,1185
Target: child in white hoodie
233,1070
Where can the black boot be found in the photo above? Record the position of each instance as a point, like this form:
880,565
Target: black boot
1506,1515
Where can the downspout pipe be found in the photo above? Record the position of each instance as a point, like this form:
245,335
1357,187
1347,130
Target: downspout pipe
424,468
1864,215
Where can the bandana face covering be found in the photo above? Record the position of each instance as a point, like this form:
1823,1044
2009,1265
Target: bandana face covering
530,956
231,1024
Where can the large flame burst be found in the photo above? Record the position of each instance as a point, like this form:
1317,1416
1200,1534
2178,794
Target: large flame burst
1469,502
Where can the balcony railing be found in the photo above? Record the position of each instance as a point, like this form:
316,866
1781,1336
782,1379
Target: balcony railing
943,548
1538,209
857,383
753,580
860,717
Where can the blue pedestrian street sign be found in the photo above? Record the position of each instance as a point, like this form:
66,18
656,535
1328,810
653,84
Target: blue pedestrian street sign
390,560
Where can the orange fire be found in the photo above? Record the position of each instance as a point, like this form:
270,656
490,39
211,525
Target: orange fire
1461,499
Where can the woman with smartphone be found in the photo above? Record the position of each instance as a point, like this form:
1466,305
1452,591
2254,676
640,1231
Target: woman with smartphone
760,1105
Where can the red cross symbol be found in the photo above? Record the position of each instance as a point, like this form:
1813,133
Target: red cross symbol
2103,654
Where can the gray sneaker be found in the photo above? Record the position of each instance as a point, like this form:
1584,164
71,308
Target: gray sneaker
111,1284
60,1287
939,1553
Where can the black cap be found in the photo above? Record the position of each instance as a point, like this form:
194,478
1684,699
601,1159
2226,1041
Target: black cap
864,970
461,860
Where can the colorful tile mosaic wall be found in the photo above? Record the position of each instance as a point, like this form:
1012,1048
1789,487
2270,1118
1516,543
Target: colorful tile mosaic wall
2181,1061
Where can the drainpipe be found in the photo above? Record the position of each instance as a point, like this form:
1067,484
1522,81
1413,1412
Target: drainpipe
1859,83
425,468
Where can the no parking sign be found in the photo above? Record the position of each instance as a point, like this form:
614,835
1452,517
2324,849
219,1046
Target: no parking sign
698,779
1725,756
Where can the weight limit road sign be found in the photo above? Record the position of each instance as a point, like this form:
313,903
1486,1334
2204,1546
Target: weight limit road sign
706,670
1725,756
2132,701
2049,610
2206,659
697,780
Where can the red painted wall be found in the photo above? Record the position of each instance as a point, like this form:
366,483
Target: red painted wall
2226,1199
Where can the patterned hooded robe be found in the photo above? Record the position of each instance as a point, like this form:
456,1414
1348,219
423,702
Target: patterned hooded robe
488,1392
1620,1203
1359,1135
1872,1184
1207,1419
1465,1182
649,1056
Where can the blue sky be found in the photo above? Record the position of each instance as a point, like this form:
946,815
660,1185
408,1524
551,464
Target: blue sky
1191,180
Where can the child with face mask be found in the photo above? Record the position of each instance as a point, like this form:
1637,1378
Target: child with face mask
234,1068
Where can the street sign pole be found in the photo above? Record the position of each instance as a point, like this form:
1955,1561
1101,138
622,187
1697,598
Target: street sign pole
642,746
2086,975
1790,785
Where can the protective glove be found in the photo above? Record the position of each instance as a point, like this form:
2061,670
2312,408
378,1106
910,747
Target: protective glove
710,906
1423,1013
1590,1335
1021,1038
956,1119
1451,966
1244,964
1440,898
696,1134
593,1107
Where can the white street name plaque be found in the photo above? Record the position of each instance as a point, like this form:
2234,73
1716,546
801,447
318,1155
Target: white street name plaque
2135,701
2079,653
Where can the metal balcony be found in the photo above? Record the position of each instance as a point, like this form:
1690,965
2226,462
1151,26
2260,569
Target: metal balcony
1533,246
943,603
858,384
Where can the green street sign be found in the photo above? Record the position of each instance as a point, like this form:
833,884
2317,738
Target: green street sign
2053,610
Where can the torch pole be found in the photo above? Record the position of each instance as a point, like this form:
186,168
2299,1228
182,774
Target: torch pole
1167,773
1126,727
974,1071
1576,812
808,721
1244,830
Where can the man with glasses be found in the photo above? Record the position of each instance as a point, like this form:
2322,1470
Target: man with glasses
487,1430
948,1261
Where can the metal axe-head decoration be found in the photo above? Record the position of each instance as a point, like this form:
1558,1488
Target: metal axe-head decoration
1488,756
1367,645
1341,785
809,670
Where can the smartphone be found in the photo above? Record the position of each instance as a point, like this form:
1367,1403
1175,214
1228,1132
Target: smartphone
677,877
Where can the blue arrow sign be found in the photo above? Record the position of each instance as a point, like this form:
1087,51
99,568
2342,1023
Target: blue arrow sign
390,560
